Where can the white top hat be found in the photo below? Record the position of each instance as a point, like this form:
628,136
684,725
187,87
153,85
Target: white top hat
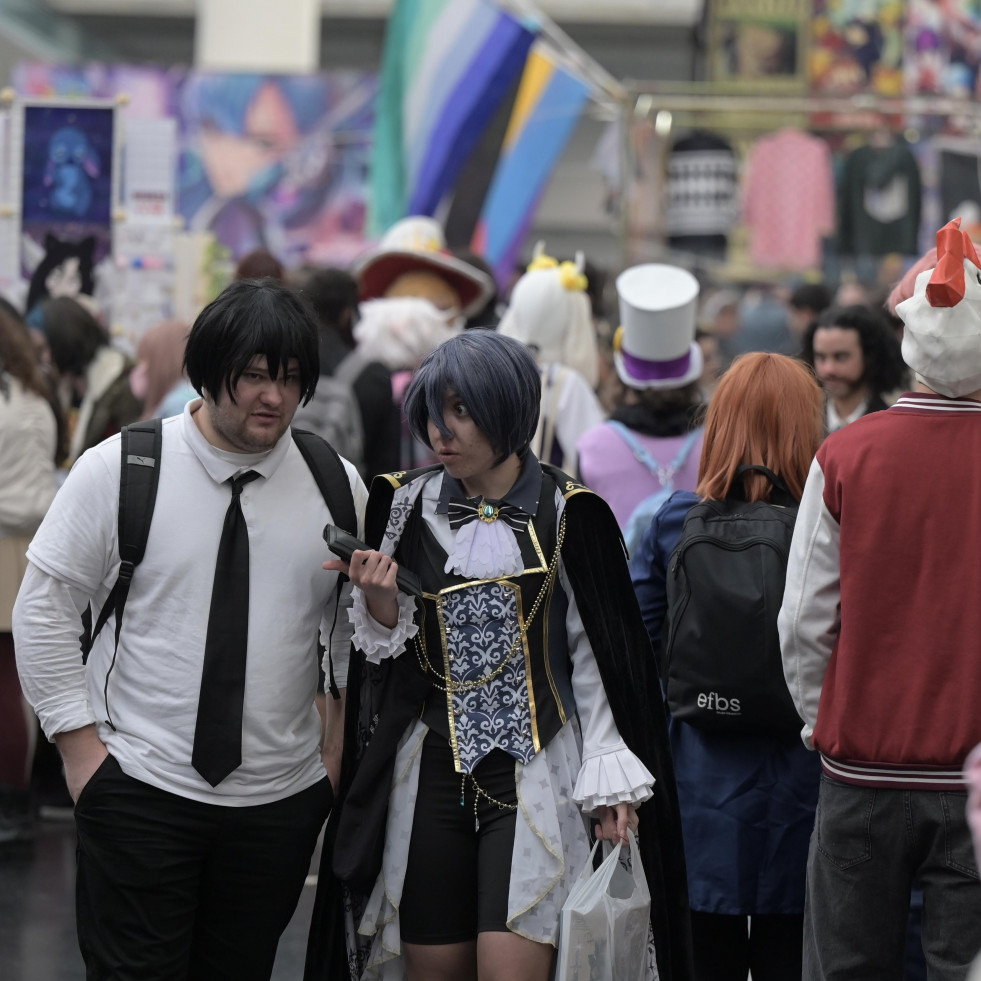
654,346
942,337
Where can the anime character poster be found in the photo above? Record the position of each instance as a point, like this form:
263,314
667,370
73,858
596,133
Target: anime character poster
943,47
67,196
857,46
278,162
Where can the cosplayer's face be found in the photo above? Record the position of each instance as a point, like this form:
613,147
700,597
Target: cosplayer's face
838,361
262,411
467,452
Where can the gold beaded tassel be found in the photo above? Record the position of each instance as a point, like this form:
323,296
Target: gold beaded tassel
478,793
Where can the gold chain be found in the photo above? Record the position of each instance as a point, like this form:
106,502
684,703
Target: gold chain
451,686
478,793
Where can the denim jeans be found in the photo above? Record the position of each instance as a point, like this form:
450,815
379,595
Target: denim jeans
867,847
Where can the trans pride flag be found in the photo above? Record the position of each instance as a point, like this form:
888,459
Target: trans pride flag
545,113
446,67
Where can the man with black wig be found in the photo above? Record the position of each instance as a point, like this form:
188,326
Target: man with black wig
191,865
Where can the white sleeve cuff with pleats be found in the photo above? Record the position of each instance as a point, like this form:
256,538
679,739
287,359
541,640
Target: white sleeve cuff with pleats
376,641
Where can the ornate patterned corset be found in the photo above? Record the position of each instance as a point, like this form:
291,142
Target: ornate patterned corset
485,657
495,651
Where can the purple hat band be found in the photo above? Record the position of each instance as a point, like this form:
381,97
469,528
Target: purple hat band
656,370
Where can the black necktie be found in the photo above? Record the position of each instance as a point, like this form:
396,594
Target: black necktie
218,730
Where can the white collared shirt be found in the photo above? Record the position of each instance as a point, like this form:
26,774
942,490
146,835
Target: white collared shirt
153,687
836,422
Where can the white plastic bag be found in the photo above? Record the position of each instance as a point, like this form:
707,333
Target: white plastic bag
603,929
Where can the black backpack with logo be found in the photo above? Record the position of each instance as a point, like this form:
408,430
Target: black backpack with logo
721,663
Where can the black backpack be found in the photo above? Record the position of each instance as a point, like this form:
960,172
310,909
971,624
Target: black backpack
725,583
139,475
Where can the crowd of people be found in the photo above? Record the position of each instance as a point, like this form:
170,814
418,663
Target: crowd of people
494,673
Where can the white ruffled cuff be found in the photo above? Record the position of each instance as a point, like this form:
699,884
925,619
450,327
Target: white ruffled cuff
612,777
376,641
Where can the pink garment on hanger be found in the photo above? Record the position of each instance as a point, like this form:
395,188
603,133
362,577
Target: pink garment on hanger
789,199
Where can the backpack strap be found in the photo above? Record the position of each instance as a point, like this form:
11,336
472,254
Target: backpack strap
350,367
328,471
139,474
664,474
780,494
335,486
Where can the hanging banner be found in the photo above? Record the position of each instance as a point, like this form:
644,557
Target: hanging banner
151,170
68,194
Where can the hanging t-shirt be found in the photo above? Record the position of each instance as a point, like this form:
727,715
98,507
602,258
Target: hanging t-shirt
879,201
789,199
702,193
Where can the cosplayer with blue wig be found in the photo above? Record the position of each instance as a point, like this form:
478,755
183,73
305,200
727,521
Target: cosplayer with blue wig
499,720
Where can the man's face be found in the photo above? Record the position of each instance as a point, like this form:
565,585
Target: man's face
262,411
838,361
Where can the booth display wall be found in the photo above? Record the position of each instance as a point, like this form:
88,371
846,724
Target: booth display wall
275,162
573,212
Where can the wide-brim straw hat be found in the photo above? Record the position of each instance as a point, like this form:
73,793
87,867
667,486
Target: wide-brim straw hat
418,243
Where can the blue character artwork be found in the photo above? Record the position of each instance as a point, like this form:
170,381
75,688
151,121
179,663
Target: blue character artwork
73,163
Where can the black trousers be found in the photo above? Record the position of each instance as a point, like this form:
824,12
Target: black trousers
170,889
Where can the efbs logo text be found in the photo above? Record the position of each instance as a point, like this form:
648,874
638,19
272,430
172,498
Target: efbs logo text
718,703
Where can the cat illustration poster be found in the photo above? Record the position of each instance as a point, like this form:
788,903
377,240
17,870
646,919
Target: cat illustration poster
67,195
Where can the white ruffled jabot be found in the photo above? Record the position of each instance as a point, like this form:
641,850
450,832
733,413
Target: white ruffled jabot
612,777
485,550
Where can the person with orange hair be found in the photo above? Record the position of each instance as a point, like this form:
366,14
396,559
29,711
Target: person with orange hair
747,800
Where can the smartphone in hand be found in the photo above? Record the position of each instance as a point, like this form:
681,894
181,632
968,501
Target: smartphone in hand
345,545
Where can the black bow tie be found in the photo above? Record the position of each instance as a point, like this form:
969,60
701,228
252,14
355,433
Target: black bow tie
462,511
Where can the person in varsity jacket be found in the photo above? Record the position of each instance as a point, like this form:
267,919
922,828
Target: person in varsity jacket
880,628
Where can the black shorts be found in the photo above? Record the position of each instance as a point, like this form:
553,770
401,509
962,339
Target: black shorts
457,876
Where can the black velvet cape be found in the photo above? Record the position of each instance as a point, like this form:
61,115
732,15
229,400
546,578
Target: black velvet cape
383,699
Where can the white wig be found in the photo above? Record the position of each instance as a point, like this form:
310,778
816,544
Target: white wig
401,332
551,314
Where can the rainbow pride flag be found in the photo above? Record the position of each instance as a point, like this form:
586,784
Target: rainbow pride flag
546,110
446,66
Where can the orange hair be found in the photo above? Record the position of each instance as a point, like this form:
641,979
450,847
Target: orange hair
768,409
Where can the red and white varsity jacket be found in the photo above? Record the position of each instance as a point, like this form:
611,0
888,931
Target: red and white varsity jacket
880,627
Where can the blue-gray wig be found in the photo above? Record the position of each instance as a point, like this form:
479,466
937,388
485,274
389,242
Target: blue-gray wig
495,377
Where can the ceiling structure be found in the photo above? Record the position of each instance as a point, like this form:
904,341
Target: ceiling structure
677,12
